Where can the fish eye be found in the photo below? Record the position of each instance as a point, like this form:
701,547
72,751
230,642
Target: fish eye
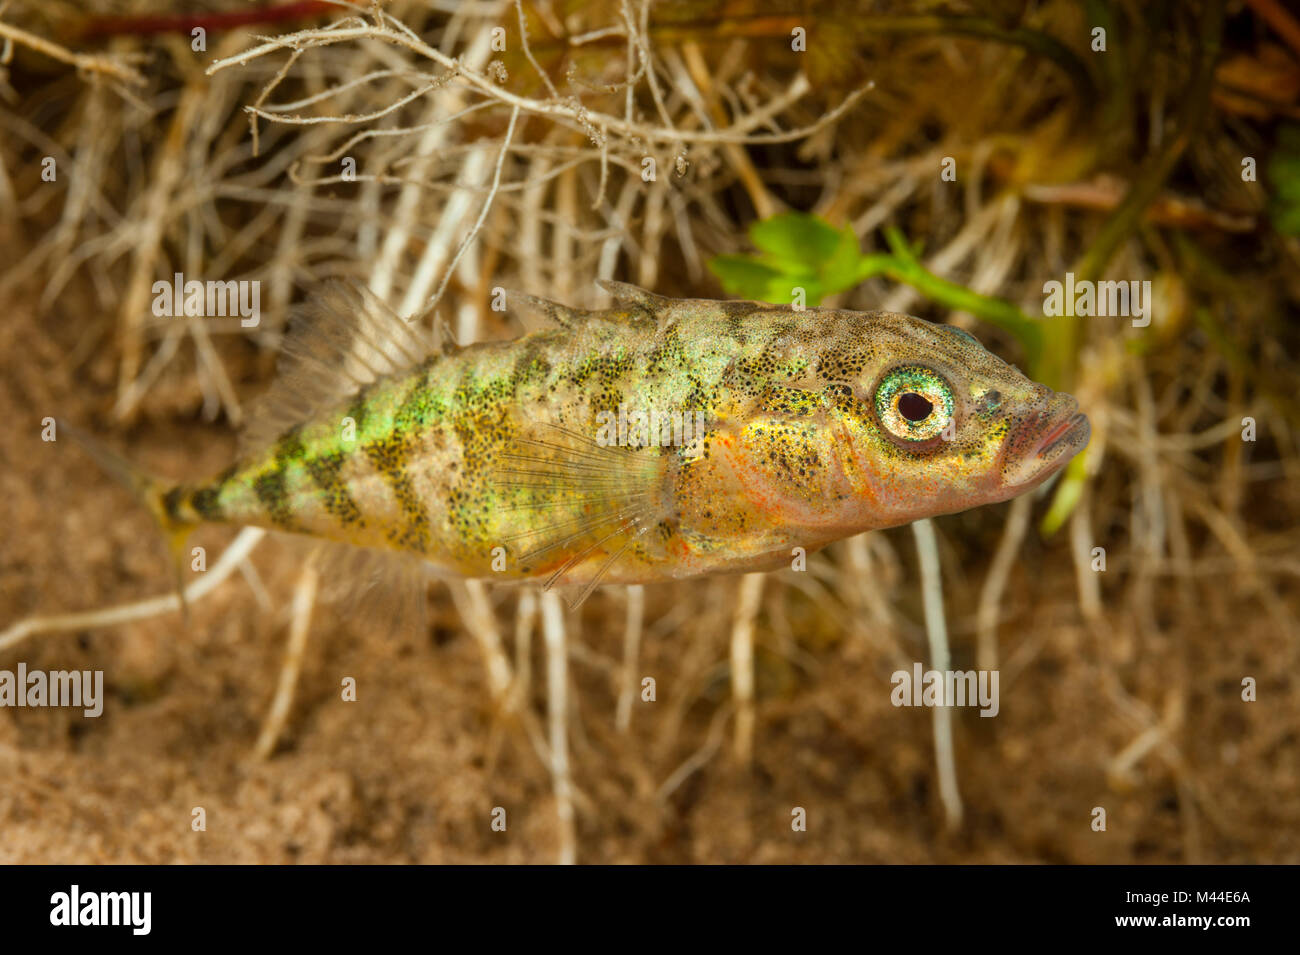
914,403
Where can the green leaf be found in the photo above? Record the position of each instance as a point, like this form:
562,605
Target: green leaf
840,271
744,276
797,239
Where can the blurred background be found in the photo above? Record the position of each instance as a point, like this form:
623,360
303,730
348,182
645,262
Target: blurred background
943,159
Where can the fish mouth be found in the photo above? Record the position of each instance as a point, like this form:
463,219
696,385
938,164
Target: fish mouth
1046,442
1063,432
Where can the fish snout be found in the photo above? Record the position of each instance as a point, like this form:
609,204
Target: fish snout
1053,432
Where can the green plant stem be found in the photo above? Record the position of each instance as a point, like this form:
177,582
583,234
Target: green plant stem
901,265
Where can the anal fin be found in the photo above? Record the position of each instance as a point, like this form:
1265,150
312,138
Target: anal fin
370,584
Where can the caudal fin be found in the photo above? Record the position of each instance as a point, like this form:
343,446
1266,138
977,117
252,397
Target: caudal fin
151,491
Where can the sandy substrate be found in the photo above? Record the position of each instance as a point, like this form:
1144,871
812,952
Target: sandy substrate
412,770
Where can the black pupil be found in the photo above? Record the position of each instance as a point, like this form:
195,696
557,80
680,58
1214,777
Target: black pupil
914,407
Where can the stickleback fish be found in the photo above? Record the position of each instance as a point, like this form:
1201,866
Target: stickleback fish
655,440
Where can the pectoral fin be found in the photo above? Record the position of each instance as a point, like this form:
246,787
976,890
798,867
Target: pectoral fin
580,504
